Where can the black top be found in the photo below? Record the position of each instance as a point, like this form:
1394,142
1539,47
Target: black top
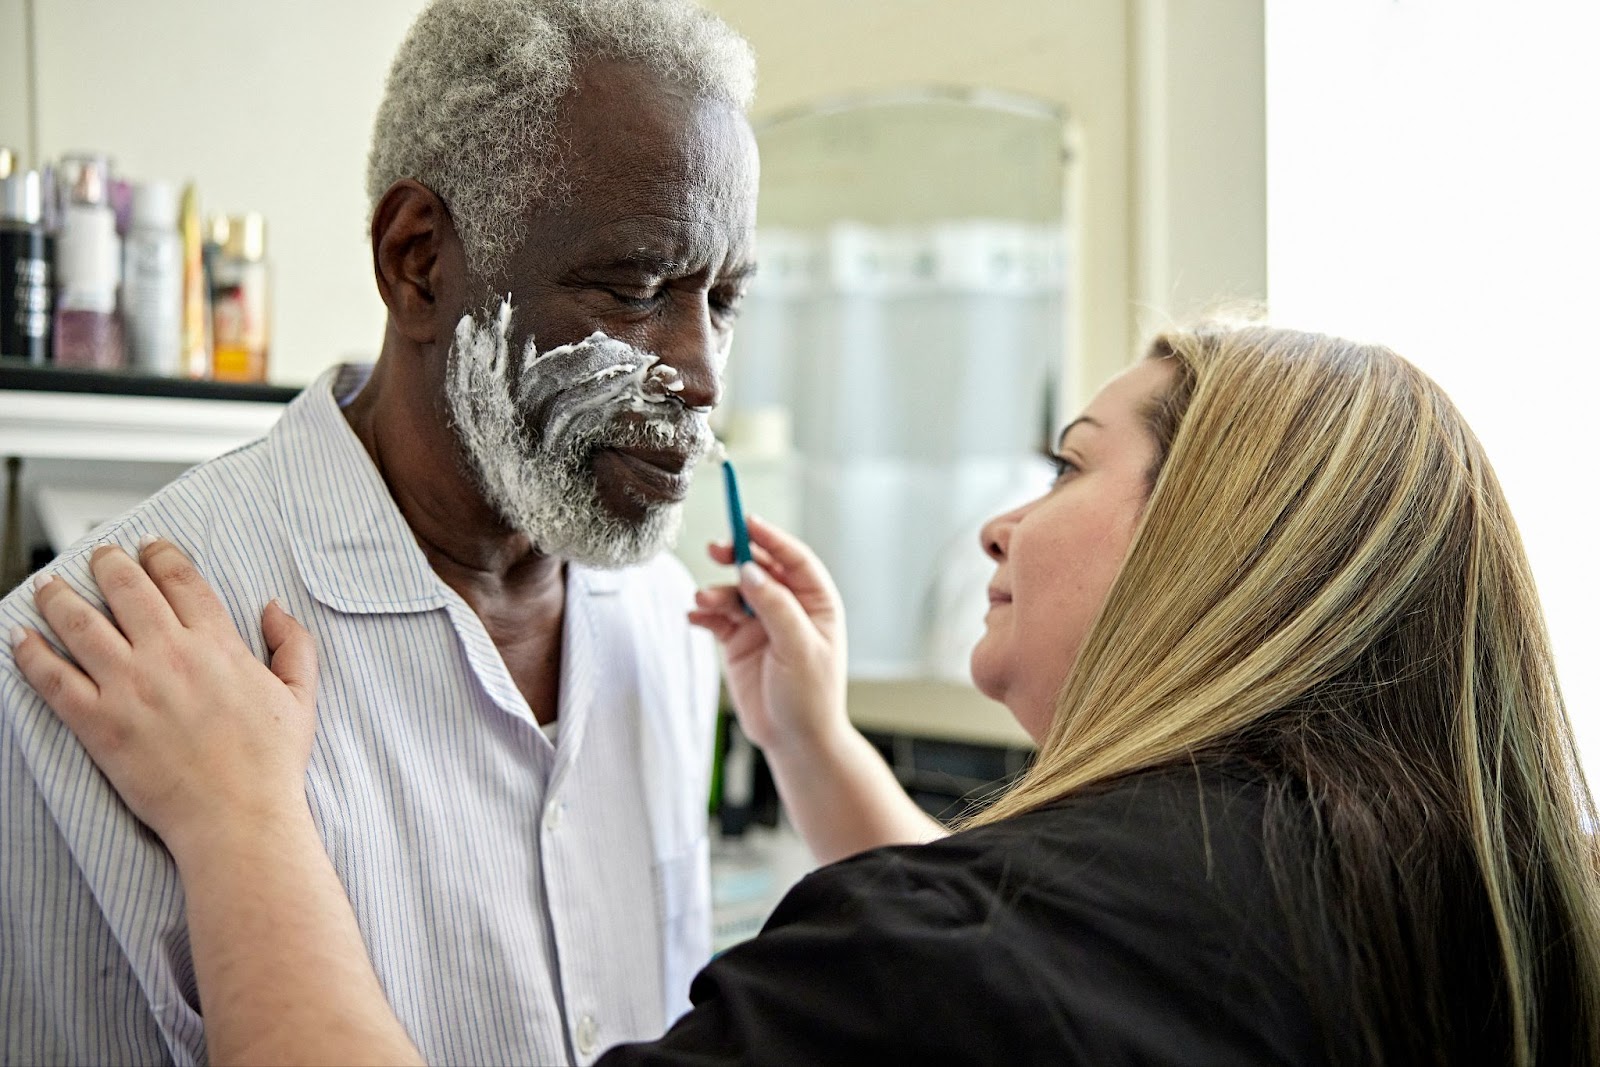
1134,925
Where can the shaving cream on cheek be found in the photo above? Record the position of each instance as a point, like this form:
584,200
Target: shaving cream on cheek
530,430
563,383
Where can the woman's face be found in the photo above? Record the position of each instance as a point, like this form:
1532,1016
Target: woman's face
1057,556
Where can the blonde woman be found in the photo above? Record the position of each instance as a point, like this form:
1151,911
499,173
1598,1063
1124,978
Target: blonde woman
1305,791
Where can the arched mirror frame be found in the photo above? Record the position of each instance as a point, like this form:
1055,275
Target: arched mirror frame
1054,156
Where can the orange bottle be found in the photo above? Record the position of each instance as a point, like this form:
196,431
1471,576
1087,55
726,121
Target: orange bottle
239,303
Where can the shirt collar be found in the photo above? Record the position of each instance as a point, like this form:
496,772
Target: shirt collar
353,548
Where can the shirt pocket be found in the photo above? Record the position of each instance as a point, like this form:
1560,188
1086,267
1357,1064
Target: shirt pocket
683,908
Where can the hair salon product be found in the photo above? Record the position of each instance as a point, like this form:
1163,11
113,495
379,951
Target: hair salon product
152,281
50,217
78,177
194,357
8,162
213,239
88,332
239,303
25,255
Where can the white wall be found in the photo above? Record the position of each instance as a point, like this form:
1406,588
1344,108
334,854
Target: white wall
268,106
1200,152
1431,181
14,95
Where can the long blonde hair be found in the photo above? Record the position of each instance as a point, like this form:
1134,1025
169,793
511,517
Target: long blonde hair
1327,583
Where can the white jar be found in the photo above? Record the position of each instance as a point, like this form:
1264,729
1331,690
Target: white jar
152,293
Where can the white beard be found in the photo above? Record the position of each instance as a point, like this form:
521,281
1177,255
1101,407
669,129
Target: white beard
530,432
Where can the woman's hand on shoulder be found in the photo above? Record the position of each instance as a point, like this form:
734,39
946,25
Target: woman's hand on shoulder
198,736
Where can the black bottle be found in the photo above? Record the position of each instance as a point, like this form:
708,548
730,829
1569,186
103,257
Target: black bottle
25,261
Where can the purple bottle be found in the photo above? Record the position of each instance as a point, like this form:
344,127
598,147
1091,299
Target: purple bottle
88,331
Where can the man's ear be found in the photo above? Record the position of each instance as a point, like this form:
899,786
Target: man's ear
416,258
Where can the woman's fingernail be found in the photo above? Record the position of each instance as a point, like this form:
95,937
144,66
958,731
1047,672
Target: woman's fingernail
752,574
147,540
18,635
41,580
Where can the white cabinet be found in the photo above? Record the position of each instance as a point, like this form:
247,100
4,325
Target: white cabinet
122,429
76,452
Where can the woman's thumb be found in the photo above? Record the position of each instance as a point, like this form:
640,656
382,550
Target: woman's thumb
294,654
780,613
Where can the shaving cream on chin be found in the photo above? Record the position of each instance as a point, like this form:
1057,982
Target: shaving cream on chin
529,434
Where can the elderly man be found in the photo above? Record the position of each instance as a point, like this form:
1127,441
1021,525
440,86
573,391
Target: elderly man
515,720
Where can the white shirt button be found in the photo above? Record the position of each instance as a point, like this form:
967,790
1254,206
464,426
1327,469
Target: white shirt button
552,816
587,1031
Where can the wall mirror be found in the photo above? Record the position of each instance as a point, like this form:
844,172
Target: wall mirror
897,363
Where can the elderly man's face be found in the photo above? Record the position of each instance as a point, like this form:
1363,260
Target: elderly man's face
652,245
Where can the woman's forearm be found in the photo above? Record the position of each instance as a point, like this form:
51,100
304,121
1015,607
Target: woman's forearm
843,798
284,976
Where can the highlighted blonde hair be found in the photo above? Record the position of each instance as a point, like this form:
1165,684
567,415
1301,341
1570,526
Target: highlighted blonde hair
1327,584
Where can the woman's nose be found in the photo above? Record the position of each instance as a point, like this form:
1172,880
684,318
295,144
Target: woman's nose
995,535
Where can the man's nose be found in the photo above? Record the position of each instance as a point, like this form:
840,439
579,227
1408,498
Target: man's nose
690,343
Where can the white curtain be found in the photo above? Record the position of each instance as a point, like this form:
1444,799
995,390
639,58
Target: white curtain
918,366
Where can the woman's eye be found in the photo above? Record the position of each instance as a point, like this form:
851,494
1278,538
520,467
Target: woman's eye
1063,467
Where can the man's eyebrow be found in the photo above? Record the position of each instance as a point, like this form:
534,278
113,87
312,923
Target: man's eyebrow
1081,420
644,262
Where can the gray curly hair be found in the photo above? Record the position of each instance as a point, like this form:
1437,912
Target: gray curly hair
471,103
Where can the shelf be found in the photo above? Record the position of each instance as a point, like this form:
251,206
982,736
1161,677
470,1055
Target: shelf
932,709
46,413
29,377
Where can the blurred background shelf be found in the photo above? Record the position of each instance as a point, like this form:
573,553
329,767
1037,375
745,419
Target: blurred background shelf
938,710
82,415
120,429
27,377
79,447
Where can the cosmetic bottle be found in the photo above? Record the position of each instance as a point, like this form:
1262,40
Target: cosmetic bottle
88,333
214,238
78,176
152,281
195,348
239,303
25,260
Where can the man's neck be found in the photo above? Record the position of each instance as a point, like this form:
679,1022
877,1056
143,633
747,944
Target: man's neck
518,593
465,541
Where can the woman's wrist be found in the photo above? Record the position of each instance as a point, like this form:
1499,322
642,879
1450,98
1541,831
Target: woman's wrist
241,837
817,742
